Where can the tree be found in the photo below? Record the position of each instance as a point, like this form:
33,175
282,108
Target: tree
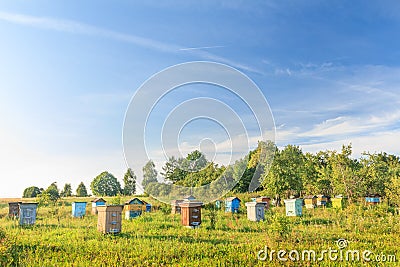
105,184
67,191
81,190
149,173
129,183
345,174
287,173
173,170
53,192
30,192
376,172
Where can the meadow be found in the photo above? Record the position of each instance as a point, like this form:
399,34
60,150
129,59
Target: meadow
158,239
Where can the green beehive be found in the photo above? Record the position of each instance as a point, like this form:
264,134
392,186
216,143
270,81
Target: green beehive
294,207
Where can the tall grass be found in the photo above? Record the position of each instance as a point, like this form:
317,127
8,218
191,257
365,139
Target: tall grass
158,239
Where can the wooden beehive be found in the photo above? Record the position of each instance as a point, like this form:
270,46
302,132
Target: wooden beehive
13,209
322,200
97,203
191,212
27,213
134,208
255,211
109,219
373,199
310,202
176,209
78,209
232,204
294,207
265,200
339,202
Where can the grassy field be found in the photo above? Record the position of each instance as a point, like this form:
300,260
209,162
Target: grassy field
158,239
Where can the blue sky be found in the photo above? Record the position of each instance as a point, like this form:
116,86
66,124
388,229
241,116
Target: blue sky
329,70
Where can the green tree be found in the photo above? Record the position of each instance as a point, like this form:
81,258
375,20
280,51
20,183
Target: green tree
345,174
323,170
105,184
287,172
376,172
129,183
53,192
173,170
31,191
67,191
81,191
392,189
149,173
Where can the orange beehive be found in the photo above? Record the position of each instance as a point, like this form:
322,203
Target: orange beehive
191,212
109,219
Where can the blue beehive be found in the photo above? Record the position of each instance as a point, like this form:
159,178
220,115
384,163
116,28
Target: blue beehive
27,213
148,207
373,199
78,209
98,202
232,204
294,207
134,208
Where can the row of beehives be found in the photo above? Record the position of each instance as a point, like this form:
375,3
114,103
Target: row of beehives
26,212
311,202
110,217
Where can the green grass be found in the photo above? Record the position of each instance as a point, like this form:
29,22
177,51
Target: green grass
158,239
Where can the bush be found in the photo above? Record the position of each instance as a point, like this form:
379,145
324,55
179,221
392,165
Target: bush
280,225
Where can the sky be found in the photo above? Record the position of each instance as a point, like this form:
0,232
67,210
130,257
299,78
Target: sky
330,71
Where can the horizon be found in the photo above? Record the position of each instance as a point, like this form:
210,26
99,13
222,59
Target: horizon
329,71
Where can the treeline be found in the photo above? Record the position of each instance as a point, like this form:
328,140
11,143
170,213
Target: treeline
105,184
279,173
290,172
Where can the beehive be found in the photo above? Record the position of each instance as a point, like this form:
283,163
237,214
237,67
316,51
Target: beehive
134,208
232,204
109,219
218,204
322,200
191,212
373,199
310,202
78,209
339,202
97,203
148,207
255,211
294,207
27,213
265,200
13,209
176,209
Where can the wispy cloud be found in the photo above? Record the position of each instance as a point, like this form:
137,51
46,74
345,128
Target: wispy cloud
75,27
85,29
201,47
